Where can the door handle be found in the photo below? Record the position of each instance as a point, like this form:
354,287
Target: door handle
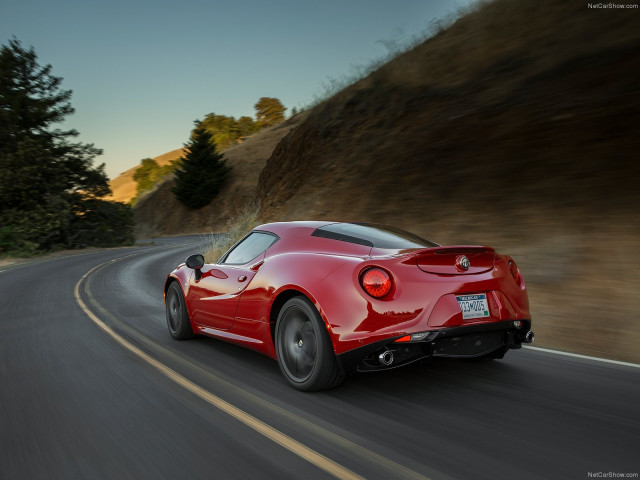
242,278
256,266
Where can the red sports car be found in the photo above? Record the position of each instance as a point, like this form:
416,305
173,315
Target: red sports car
325,299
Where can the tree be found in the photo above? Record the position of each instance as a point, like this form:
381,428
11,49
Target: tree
148,174
227,131
269,111
223,129
246,126
202,172
101,224
45,177
30,98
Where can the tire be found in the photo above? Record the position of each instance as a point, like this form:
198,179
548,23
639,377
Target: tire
304,350
177,316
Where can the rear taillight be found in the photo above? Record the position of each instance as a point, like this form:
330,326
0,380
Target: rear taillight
515,271
376,282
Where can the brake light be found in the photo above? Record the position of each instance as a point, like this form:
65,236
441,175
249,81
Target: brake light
414,337
406,338
515,271
376,282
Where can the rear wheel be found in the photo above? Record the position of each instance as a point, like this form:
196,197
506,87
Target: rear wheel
177,316
303,346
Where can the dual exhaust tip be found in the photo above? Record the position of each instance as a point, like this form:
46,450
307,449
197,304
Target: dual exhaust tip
386,357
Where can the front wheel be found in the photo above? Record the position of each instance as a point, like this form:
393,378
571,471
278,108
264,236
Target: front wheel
177,315
303,346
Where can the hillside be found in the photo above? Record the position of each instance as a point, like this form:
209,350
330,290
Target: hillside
160,213
515,127
517,105
123,187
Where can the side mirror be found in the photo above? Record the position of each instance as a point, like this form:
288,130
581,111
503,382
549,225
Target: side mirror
195,261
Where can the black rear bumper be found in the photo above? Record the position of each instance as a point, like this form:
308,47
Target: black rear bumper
469,341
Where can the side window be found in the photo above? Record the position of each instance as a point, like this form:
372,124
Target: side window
252,246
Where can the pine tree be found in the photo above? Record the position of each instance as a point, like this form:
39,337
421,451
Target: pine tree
46,179
202,172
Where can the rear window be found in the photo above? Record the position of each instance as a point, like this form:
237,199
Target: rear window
376,236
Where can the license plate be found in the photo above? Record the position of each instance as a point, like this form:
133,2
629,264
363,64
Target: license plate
473,306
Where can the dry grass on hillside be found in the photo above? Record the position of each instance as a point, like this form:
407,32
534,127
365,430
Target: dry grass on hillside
237,227
515,87
516,127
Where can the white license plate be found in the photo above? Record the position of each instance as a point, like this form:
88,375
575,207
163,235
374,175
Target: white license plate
473,306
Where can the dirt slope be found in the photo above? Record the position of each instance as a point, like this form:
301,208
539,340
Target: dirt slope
516,105
160,213
123,187
516,127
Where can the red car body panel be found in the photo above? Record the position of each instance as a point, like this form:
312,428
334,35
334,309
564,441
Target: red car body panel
239,303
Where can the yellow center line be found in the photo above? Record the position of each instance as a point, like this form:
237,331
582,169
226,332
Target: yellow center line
273,434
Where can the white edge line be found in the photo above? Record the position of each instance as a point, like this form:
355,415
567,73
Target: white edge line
585,357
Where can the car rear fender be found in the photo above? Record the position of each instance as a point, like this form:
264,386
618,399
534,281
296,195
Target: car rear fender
293,275
280,299
295,291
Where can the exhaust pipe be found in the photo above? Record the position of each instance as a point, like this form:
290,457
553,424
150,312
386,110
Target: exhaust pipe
386,357
529,337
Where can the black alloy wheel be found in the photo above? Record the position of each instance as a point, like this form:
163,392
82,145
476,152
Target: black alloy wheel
177,316
304,350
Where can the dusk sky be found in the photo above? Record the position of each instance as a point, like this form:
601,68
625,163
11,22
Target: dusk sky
141,71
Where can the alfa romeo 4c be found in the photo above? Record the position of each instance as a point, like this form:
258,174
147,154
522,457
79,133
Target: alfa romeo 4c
325,299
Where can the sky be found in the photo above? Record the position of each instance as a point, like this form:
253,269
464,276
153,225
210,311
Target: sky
142,72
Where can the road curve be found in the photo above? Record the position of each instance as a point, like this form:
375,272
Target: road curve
92,386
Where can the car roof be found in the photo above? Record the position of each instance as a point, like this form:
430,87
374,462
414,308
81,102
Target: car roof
283,229
366,234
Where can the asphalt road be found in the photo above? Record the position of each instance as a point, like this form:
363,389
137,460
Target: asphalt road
92,386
